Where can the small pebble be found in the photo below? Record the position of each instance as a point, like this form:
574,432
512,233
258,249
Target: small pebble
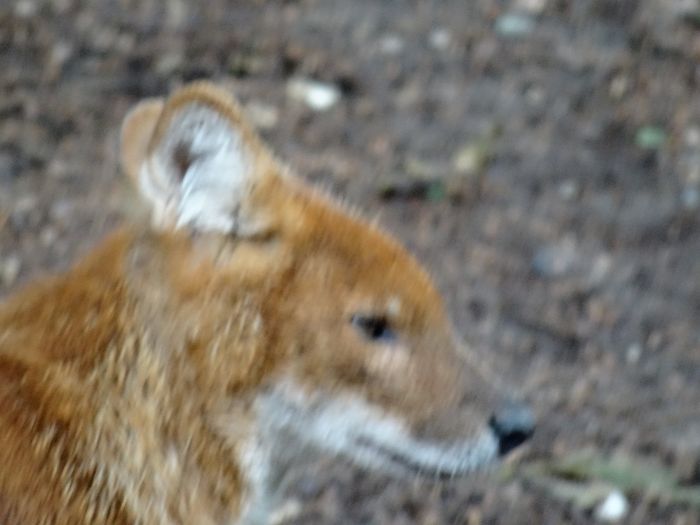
555,260
60,53
619,86
600,269
690,197
316,95
61,6
470,159
62,210
692,136
634,352
532,6
440,39
169,62
514,24
264,116
391,44
535,95
9,270
475,516
48,237
613,508
26,8
693,174
25,204
568,189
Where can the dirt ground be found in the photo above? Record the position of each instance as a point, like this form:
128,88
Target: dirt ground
542,157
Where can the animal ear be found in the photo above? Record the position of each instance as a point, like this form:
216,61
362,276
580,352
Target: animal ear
196,161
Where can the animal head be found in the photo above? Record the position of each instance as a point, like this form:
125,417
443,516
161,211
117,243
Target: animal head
359,356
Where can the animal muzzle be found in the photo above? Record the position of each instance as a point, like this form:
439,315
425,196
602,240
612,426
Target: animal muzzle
513,424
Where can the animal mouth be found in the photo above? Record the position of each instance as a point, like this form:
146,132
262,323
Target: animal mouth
399,460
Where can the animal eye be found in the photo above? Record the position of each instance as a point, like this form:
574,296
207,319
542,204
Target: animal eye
374,327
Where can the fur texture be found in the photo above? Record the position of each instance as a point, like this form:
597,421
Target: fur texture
154,382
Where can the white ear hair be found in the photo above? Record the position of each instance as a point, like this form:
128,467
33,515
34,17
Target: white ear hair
199,174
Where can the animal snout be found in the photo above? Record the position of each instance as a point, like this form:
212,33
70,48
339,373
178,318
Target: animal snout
513,424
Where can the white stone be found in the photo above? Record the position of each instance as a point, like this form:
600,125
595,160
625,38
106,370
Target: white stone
440,39
391,44
692,136
318,96
613,508
25,9
634,353
568,189
514,25
9,270
533,6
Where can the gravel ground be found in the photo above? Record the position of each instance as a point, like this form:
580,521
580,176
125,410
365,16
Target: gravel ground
542,157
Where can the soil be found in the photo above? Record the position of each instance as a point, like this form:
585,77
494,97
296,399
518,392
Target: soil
542,158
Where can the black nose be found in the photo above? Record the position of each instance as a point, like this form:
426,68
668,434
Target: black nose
513,424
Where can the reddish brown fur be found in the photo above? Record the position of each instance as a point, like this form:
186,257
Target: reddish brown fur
113,376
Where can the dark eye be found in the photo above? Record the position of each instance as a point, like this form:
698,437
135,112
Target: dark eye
374,327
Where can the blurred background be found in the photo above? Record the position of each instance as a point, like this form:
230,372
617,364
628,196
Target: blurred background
542,157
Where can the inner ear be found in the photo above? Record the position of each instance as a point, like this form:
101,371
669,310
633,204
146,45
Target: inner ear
201,171
198,132
183,159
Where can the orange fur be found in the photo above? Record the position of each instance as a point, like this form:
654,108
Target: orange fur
128,385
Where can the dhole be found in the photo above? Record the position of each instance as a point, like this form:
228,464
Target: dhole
175,373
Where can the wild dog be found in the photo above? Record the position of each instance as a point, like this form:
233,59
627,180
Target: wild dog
173,374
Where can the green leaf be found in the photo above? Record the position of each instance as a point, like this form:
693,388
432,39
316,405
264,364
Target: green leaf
436,191
650,137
